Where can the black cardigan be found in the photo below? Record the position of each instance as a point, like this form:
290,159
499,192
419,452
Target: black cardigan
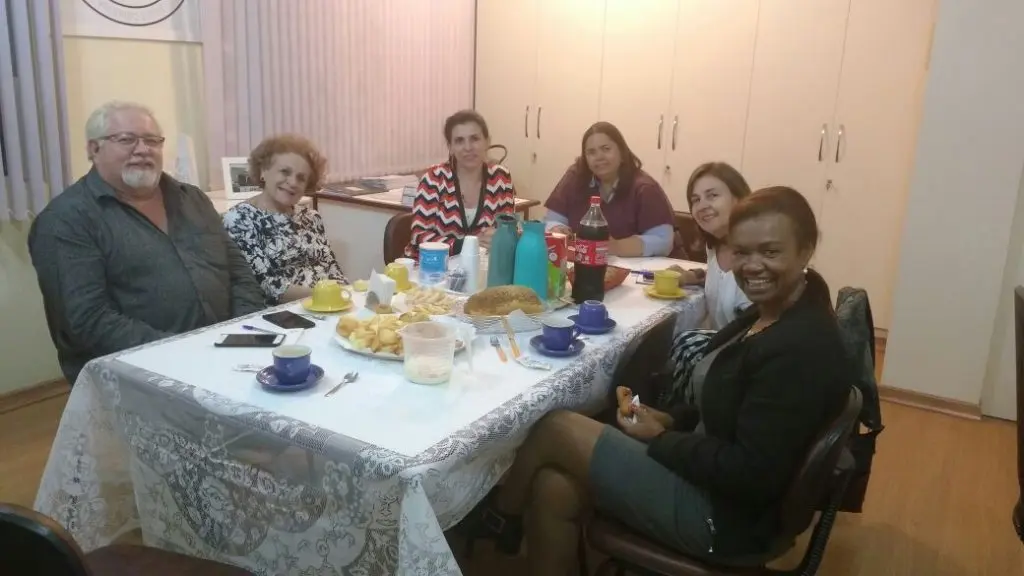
764,400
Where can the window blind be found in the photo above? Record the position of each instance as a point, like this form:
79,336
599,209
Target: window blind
370,82
33,114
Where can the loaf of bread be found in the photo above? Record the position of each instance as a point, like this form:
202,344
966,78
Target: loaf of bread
503,300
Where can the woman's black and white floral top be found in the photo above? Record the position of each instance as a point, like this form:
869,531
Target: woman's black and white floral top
283,250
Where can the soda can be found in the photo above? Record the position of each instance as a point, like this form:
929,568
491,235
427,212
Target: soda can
558,251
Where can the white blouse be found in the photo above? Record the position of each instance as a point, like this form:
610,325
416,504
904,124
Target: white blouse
723,296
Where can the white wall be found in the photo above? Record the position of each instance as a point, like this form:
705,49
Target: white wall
166,76
963,198
999,394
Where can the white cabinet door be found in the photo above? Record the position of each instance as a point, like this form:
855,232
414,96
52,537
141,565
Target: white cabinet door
569,47
793,94
880,93
636,79
710,89
506,78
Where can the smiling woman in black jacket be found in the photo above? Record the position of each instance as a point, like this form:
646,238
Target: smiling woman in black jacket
707,479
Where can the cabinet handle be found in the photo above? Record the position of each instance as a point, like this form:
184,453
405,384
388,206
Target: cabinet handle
821,142
526,122
661,122
675,126
539,109
839,141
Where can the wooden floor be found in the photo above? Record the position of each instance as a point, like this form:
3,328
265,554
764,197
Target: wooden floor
939,504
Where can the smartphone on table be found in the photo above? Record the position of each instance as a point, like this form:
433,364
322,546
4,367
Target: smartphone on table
249,340
289,320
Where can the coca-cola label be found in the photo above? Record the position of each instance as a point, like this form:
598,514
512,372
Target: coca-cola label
591,252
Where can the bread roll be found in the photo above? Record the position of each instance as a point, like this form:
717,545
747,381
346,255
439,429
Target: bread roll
625,398
503,300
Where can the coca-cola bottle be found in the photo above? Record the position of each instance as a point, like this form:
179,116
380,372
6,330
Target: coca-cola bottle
591,255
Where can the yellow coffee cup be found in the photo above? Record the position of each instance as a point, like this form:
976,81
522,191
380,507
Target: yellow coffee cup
666,282
400,274
330,294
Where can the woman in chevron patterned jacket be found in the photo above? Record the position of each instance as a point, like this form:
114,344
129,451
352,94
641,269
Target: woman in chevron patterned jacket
463,196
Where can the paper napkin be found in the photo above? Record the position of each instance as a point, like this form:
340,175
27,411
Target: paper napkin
382,287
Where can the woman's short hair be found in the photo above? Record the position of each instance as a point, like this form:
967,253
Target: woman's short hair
464,117
630,163
780,200
263,156
729,176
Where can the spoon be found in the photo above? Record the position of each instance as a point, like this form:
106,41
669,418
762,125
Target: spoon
248,368
346,379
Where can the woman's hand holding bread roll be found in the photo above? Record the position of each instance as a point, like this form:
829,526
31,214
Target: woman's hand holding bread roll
624,398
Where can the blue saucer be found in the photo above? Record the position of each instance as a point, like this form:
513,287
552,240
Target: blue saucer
609,325
538,344
268,379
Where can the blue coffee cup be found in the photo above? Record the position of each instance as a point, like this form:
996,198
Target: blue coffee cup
558,334
292,364
593,314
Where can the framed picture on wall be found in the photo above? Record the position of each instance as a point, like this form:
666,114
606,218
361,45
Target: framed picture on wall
238,183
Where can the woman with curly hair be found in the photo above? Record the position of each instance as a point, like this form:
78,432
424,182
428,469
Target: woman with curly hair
284,241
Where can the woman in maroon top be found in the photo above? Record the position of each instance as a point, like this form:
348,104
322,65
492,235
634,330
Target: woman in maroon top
639,213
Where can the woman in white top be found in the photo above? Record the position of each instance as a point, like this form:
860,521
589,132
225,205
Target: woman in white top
714,188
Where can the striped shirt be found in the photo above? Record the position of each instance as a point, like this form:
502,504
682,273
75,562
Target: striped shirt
439,213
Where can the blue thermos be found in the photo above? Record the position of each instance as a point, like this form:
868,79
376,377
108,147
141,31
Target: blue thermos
501,259
532,259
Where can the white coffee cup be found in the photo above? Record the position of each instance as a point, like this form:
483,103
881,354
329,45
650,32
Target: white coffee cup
409,264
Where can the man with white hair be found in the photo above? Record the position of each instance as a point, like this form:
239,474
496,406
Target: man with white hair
128,255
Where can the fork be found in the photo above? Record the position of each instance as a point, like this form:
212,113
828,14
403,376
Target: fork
346,379
314,316
497,346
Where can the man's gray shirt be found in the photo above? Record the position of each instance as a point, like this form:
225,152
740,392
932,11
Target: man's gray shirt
112,280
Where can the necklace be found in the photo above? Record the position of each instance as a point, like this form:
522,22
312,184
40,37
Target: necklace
760,326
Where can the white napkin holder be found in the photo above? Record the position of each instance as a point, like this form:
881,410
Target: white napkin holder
383,287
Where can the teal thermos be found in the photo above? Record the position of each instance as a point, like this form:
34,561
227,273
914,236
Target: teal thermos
532,259
501,260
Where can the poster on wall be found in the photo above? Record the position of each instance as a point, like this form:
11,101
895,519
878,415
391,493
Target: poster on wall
165,20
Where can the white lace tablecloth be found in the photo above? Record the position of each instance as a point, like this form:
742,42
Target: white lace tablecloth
169,438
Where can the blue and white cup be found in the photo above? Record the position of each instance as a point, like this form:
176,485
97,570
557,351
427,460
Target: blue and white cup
292,363
593,314
559,334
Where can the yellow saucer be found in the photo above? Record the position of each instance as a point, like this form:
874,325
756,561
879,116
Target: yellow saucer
307,303
650,291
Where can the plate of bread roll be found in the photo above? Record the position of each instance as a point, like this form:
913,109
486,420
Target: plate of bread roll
518,305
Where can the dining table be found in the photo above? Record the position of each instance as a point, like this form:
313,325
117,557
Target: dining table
173,440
